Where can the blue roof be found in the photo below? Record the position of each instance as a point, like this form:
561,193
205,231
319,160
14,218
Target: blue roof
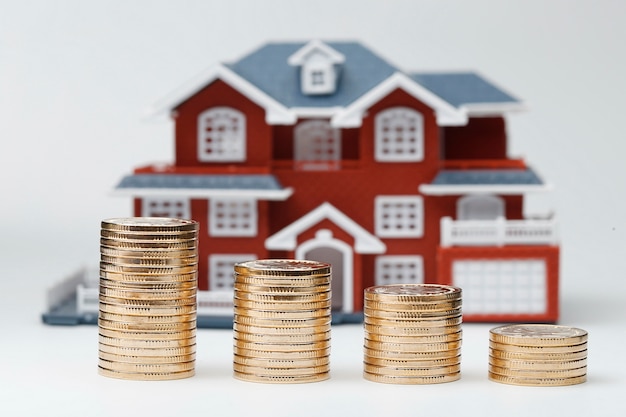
267,69
459,88
487,177
201,182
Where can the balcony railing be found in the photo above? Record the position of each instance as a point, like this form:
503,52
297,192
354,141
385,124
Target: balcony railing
498,232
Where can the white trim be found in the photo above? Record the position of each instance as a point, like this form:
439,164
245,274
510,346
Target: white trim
490,109
392,135
286,239
386,261
278,195
233,217
400,220
183,212
324,238
352,116
225,258
300,56
226,144
315,112
505,189
275,113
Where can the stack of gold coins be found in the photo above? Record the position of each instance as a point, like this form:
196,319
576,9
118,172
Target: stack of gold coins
147,309
538,355
412,334
282,321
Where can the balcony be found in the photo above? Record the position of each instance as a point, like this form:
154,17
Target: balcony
498,232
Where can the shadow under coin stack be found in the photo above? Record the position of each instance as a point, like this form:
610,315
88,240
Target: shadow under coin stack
282,321
412,334
147,309
538,355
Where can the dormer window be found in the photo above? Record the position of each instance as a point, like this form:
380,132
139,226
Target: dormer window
319,68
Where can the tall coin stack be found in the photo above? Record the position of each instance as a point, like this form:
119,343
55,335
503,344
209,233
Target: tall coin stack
147,309
412,334
538,355
282,321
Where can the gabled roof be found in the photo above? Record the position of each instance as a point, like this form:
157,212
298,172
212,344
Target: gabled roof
268,78
495,181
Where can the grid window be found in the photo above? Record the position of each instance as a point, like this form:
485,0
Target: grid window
221,270
502,286
399,135
399,216
221,135
177,208
233,217
317,145
399,270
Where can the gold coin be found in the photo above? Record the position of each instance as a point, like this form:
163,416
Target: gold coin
537,335
537,349
413,380
393,371
538,382
411,315
259,370
144,302
275,379
146,376
148,286
283,355
537,365
142,343
151,224
437,338
281,330
149,262
411,331
412,355
412,347
281,363
281,338
417,363
149,245
146,294
282,267
146,367
146,320
155,327
266,318
538,374
145,359
570,356
278,283
411,293
286,290
147,335
145,270
156,253
128,278
417,307
148,352
283,298
148,236
147,311
253,305
287,347
418,323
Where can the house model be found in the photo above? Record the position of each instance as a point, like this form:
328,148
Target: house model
325,151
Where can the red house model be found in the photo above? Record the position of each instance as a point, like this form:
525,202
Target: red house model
325,151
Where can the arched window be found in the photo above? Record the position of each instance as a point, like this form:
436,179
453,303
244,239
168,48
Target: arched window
480,207
317,146
221,135
399,135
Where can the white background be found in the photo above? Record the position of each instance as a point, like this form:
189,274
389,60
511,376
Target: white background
76,76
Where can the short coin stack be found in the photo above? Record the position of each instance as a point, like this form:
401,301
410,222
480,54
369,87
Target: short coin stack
538,355
282,321
147,309
412,334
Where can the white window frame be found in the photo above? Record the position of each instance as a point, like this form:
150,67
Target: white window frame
317,145
221,271
407,145
165,207
399,216
399,269
243,221
221,135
